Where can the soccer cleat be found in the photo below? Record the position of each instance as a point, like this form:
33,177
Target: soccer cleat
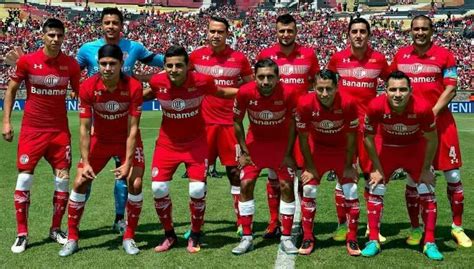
306,247
371,249
287,245
340,234
353,248
414,238
431,251
461,238
130,247
194,246
21,242
382,239
245,245
272,231
398,174
187,234
170,241
69,248
120,226
331,176
58,236
240,231
185,175
214,174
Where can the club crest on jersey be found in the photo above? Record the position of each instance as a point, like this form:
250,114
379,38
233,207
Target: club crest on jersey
326,124
24,159
37,66
51,80
360,73
178,104
155,171
112,106
266,115
217,71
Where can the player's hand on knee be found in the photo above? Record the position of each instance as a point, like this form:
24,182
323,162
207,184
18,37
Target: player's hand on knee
308,175
428,177
13,55
122,171
245,160
7,132
87,173
376,177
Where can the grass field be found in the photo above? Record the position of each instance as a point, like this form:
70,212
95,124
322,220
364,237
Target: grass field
101,248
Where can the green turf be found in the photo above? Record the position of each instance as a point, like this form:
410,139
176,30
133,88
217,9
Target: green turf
100,247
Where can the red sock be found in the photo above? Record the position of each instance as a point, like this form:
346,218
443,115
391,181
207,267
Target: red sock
236,198
374,210
75,210
133,214
163,207
273,198
286,224
340,206
246,222
456,199
197,208
413,205
429,215
308,211
59,208
353,211
22,204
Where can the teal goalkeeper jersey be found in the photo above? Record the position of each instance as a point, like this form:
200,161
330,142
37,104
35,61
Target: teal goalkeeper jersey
133,51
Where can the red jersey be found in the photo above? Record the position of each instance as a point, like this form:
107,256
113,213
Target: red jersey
399,129
110,110
297,70
226,67
358,79
182,117
46,81
269,116
328,126
429,73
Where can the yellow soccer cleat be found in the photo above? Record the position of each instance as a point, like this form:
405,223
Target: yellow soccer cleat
414,238
382,239
340,234
461,238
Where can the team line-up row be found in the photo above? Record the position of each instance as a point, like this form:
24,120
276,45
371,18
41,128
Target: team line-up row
339,122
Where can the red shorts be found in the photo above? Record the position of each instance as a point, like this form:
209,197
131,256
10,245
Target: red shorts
448,156
100,153
55,147
326,159
393,158
222,143
167,158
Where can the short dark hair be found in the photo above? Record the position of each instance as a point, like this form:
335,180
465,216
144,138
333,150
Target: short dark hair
286,19
399,75
421,17
221,20
111,50
112,11
359,20
177,51
326,74
53,23
267,62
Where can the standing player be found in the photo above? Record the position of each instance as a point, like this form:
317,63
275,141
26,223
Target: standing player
226,66
182,138
272,129
406,126
297,66
112,25
113,102
330,121
433,74
44,132
359,67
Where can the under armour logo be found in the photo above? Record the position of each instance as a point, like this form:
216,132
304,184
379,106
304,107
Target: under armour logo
315,113
406,56
274,57
96,93
346,60
38,66
387,116
205,57
163,90
253,102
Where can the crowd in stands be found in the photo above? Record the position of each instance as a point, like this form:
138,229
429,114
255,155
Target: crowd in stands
250,35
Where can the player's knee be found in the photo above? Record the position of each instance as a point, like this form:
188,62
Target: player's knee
61,184
247,208
24,182
160,189
410,182
422,188
310,191
272,174
197,190
452,176
350,191
287,208
379,190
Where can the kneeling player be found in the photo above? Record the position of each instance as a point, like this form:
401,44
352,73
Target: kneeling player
331,123
406,125
269,144
113,102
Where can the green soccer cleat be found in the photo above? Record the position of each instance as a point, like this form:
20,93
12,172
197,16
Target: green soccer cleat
341,233
414,238
371,249
431,251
